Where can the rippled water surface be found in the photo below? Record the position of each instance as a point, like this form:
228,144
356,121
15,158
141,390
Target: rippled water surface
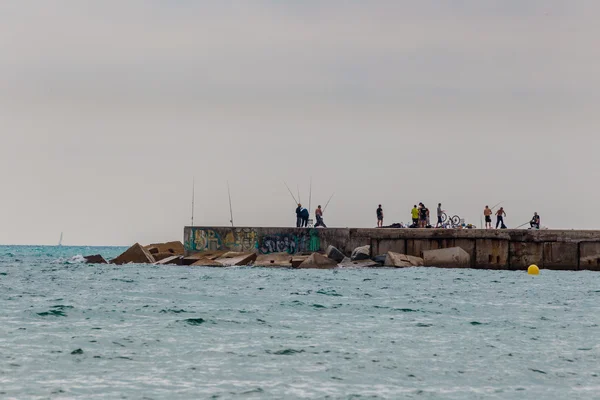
73,330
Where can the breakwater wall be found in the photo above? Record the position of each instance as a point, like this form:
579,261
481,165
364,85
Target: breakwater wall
511,249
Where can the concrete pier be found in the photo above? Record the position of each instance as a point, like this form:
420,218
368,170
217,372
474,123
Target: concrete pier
488,249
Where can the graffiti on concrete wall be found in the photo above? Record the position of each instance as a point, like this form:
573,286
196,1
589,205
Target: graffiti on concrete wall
241,239
204,240
247,239
290,243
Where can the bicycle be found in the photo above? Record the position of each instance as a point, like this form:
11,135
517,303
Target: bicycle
450,222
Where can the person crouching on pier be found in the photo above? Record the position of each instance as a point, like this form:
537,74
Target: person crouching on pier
319,216
304,215
535,221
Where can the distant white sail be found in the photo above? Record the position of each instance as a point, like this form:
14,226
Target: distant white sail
60,240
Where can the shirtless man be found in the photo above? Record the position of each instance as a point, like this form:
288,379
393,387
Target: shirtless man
487,212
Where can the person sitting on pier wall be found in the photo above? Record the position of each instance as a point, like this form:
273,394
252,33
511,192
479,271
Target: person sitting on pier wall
319,216
298,217
535,221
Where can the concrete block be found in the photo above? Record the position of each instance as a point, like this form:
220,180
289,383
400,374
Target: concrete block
402,260
359,264
383,246
211,255
175,248
334,254
277,260
173,260
162,256
207,262
491,253
135,254
589,256
523,254
361,253
561,256
297,260
95,259
233,258
454,257
318,261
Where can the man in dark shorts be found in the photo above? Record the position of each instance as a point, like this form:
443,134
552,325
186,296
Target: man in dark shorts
487,212
439,215
379,217
423,213
414,213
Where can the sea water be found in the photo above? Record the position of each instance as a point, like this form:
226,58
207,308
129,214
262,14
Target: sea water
71,330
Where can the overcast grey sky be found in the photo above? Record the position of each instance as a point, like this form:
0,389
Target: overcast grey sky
109,108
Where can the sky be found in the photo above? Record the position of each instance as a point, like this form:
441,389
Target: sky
110,109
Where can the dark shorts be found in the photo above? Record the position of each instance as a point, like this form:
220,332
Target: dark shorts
488,218
415,220
440,220
380,218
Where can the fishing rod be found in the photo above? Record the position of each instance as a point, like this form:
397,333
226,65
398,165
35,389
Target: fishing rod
498,204
298,188
325,208
193,195
230,208
310,195
522,224
291,194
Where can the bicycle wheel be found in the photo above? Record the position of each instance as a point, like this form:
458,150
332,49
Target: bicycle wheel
455,220
444,218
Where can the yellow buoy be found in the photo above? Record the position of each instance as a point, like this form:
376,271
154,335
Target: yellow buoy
533,270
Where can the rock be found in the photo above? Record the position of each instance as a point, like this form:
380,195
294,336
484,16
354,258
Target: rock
233,258
162,256
402,260
279,260
95,259
135,254
359,264
207,262
298,260
361,253
334,254
175,260
153,250
318,261
175,248
450,257
211,255
380,259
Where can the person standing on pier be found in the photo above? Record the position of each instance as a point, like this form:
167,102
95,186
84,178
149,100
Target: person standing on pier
298,216
319,216
500,214
379,217
414,213
439,215
487,212
423,214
